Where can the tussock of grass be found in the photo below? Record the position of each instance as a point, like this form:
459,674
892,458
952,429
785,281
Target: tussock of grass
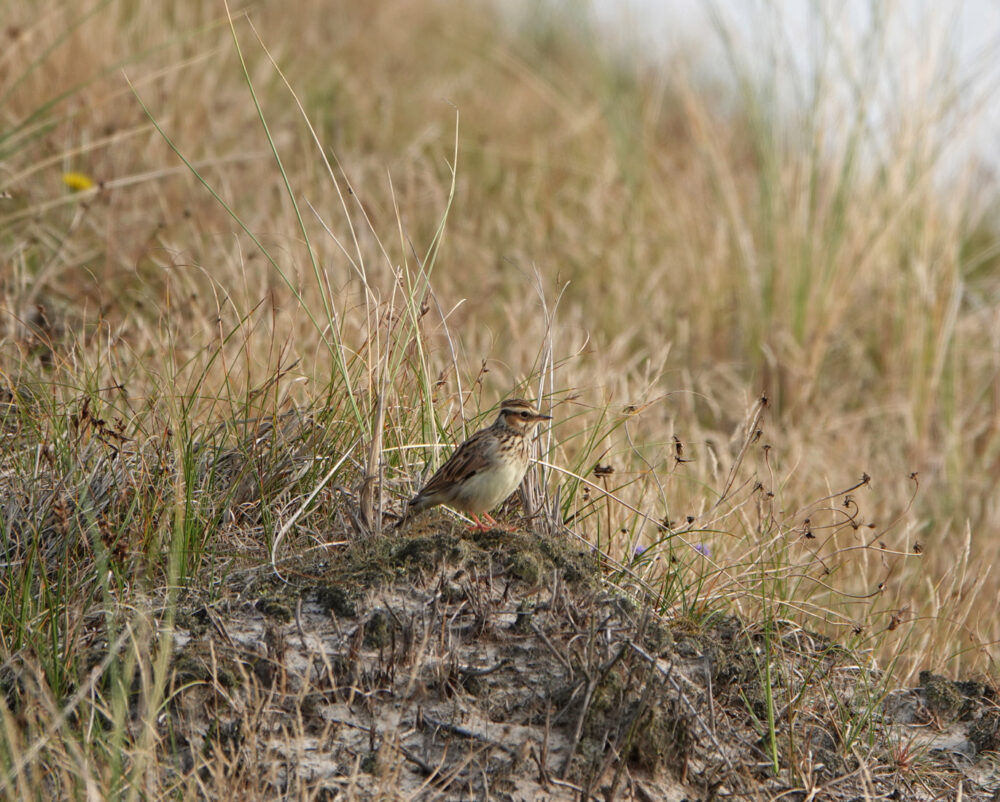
255,287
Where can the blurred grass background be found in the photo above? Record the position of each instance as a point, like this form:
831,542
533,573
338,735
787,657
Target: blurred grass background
654,249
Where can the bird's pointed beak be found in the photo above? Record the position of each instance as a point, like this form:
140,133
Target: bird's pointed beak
543,417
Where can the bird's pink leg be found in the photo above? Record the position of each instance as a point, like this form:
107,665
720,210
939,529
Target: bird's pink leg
480,526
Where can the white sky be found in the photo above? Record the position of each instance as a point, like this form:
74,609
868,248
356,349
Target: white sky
924,53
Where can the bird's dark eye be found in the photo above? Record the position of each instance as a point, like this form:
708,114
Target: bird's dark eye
525,414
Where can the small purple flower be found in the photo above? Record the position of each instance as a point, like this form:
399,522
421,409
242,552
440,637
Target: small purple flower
638,551
702,549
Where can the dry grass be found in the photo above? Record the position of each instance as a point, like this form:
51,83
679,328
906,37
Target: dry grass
507,207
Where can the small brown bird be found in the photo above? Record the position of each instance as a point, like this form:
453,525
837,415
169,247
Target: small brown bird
486,468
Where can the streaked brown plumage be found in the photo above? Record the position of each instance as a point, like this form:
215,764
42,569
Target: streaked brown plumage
486,468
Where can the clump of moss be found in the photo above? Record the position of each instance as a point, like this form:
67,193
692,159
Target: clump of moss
369,763
985,732
660,736
605,706
945,698
193,665
639,720
524,556
196,621
527,555
274,609
657,638
335,599
429,552
378,630
525,566
726,647
577,565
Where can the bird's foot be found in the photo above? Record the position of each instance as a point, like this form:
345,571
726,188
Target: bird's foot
487,523
478,525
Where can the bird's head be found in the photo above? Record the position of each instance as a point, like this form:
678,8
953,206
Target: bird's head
520,415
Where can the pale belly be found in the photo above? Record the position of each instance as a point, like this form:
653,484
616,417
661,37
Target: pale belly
484,491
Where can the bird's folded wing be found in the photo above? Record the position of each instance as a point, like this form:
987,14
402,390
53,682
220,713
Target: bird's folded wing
466,462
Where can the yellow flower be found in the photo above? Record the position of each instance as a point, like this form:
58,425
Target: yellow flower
78,182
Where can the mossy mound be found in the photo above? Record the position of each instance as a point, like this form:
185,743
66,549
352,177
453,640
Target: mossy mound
438,652
524,557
